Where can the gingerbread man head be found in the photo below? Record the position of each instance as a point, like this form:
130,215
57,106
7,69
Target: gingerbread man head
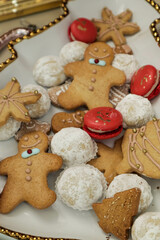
99,53
33,140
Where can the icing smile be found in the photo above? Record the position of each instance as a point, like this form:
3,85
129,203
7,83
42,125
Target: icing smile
33,145
92,54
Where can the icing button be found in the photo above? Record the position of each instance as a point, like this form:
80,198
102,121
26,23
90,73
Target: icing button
29,163
28,178
93,80
28,170
91,88
94,71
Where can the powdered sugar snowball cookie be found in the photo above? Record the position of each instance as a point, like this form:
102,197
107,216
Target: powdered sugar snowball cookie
81,186
41,107
126,63
72,51
128,181
136,111
3,180
9,129
146,227
48,71
74,145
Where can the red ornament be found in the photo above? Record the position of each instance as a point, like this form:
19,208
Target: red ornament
145,82
96,60
29,151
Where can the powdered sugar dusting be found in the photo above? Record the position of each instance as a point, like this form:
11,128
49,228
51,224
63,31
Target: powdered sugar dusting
42,106
81,186
147,227
126,63
136,111
74,145
9,129
72,51
48,71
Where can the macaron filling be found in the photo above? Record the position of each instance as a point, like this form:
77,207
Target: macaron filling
154,85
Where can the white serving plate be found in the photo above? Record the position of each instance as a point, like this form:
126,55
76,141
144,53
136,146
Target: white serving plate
60,221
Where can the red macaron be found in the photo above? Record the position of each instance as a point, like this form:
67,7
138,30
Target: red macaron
103,122
82,29
146,82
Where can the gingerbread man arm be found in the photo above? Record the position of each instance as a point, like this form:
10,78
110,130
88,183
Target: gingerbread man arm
116,76
71,99
72,68
53,162
4,166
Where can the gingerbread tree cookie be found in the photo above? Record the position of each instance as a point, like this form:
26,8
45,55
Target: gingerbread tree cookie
27,174
116,213
115,27
108,159
12,102
92,78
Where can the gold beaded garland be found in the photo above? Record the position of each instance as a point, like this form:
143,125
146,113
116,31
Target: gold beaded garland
32,34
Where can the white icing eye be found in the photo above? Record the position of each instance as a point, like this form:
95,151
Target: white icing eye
36,136
104,50
96,49
26,139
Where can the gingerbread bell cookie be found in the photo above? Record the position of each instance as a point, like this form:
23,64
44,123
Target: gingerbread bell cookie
116,214
92,78
112,27
141,151
12,102
27,174
63,120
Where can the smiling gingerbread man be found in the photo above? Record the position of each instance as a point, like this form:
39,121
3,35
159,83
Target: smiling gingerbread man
27,174
92,78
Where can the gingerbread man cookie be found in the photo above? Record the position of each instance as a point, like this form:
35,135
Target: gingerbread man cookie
92,78
27,174
64,120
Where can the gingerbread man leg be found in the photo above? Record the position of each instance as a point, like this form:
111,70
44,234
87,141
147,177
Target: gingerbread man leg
70,99
7,204
45,198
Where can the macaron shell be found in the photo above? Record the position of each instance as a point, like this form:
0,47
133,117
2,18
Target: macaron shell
145,80
103,118
155,92
82,29
102,136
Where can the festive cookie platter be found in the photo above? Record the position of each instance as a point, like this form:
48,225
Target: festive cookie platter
90,204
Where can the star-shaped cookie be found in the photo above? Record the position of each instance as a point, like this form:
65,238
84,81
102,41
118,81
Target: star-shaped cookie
12,102
108,159
114,28
116,213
